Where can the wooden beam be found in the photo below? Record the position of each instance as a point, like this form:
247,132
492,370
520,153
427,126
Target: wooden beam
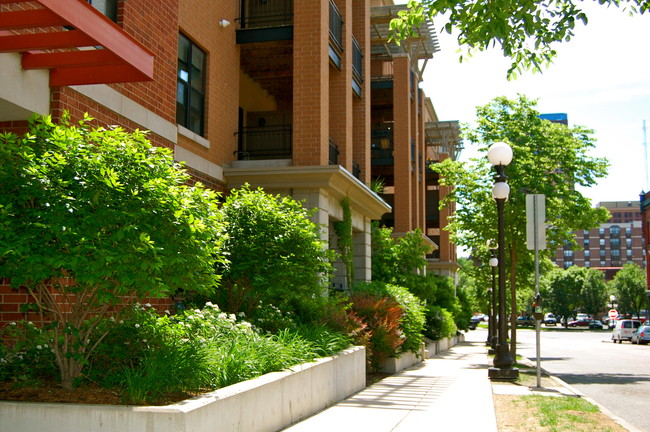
30,19
69,59
45,41
95,75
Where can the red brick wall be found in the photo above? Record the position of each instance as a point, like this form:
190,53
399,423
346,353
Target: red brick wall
13,301
310,82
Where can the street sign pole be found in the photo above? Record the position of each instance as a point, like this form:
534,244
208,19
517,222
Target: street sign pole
536,240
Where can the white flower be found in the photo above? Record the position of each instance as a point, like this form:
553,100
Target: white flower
209,304
241,315
222,316
112,319
121,321
167,312
232,317
12,323
137,326
144,341
148,305
38,347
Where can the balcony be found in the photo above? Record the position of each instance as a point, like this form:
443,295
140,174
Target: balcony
263,21
381,147
264,143
357,67
336,35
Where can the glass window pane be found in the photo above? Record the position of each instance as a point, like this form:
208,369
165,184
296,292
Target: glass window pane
183,48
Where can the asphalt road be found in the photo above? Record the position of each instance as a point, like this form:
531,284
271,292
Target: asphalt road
617,376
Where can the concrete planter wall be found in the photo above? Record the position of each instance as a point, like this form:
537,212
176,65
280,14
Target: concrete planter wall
268,403
430,348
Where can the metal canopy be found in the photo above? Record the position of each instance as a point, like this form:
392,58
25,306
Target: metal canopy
444,136
74,41
422,46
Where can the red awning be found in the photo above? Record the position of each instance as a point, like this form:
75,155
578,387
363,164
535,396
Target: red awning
90,50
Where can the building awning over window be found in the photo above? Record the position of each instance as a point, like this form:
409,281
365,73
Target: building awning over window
74,41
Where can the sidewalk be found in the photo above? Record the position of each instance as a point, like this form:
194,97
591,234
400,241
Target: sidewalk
450,390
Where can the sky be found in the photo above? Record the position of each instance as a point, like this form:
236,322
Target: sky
600,79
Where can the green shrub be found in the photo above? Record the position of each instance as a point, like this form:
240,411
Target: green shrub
26,354
440,323
412,321
276,256
381,318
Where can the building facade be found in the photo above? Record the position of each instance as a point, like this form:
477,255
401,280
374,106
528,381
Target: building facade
290,96
611,245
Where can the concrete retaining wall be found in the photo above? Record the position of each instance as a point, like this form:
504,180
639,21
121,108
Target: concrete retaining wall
430,348
268,403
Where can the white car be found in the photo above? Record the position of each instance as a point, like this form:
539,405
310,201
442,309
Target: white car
624,330
549,319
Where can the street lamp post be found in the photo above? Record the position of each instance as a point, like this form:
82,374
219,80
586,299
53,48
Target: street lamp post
500,155
492,328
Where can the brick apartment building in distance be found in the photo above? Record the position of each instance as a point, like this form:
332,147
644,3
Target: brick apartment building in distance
305,98
611,245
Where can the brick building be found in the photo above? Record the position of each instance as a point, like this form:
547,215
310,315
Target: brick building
611,245
286,95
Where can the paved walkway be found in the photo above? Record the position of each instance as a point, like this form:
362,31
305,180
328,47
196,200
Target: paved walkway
450,391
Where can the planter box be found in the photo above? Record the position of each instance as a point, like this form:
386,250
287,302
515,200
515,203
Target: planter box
268,403
429,349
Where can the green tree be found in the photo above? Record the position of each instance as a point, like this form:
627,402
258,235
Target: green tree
92,217
525,30
397,259
594,292
276,254
563,291
549,159
629,284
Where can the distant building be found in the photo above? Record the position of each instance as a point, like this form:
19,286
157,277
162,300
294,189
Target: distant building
609,246
644,198
556,118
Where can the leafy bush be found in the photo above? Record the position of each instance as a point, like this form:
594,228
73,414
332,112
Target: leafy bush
440,323
26,354
412,321
276,256
381,317
96,215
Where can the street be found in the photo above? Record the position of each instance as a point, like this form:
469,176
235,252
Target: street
617,376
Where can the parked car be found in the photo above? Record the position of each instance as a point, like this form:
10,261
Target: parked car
580,322
641,336
624,330
525,321
473,322
549,319
596,324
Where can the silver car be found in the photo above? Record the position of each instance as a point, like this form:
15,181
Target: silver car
642,335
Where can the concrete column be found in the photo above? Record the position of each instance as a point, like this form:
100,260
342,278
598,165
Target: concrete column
310,82
362,253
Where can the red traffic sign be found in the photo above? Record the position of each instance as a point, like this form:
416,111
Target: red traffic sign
613,314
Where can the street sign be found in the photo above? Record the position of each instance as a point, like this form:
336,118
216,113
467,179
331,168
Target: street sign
613,314
535,222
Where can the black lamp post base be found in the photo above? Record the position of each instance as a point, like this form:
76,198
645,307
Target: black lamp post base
492,351
497,374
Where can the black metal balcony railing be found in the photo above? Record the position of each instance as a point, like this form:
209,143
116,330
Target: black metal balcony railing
357,61
356,169
336,27
268,142
334,153
265,13
381,151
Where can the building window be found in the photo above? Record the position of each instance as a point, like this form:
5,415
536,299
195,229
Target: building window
602,242
601,231
587,254
568,253
106,7
628,253
615,243
616,253
190,97
587,242
602,253
628,242
587,264
615,231
628,232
